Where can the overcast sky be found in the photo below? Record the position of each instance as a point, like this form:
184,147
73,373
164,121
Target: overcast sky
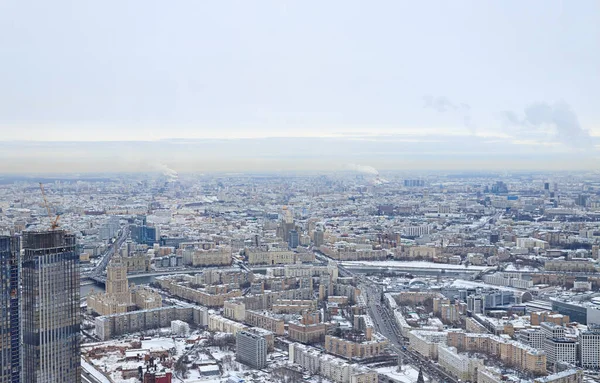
244,85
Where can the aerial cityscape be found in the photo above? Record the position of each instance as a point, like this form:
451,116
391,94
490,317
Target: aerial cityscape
347,277
279,191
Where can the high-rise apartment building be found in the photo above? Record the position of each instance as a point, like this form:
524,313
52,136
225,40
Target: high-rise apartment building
251,349
50,308
9,310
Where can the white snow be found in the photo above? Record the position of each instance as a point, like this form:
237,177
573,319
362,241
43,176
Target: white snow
407,375
92,371
414,265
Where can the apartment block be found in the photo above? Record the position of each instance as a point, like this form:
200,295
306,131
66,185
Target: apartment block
510,352
315,362
198,296
110,326
251,349
461,366
259,256
426,342
537,317
221,324
219,256
355,349
265,320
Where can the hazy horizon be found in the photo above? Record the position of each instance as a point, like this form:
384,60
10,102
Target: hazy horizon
311,86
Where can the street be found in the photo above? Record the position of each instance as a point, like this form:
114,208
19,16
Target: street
386,325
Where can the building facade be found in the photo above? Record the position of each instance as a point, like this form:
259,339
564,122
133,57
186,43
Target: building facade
50,308
9,310
589,348
251,349
460,366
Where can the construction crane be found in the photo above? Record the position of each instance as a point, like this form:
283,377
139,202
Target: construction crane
53,222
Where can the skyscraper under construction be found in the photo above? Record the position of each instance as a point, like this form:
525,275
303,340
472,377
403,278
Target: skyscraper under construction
50,308
9,310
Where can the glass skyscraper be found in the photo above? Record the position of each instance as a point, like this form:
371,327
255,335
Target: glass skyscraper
50,308
9,310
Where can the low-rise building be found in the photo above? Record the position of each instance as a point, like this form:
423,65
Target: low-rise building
568,376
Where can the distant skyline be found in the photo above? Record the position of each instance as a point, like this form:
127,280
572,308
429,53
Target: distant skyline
278,85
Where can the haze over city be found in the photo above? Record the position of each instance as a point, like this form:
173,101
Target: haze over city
275,191
282,86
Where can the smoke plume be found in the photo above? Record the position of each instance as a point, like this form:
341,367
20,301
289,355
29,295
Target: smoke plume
365,169
442,104
166,171
559,117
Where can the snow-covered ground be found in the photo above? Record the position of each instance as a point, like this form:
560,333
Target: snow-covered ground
470,284
406,375
93,371
415,265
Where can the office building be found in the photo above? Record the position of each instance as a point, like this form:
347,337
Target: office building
532,337
589,348
582,312
293,239
318,238
144,234
414,183
9,310
286,224
50,308
251,349
561,350
551,330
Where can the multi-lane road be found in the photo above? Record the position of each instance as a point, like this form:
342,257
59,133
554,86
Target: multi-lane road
385,323
108,253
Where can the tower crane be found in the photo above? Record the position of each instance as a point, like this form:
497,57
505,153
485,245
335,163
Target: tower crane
53,222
